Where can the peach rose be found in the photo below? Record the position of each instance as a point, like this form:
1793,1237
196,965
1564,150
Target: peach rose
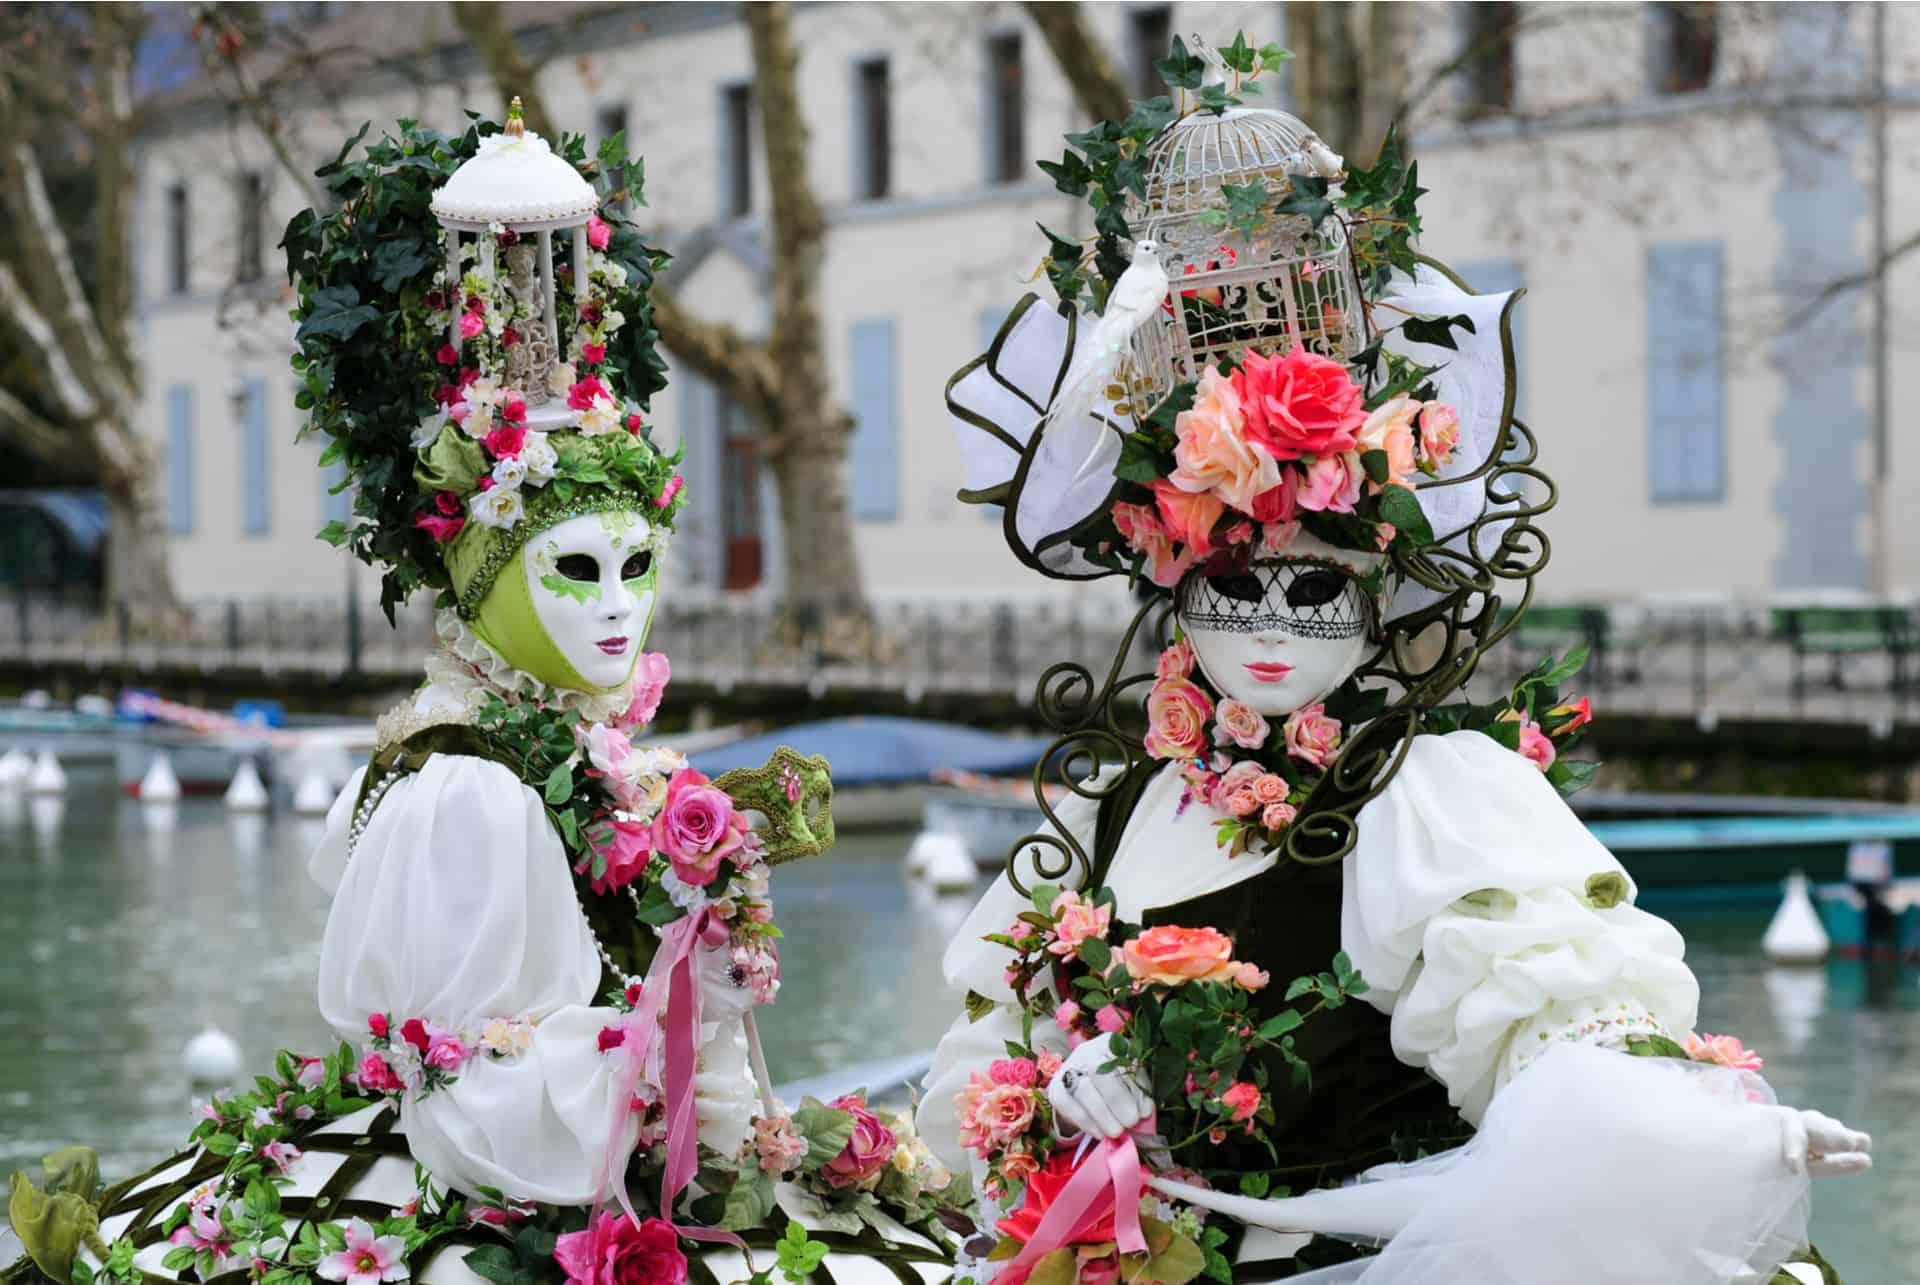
1242,803
1271,788
1241,776
1174,956
1243,1099
1240,724
1311,736
1277,816
1331,483
1176,661
1722,1050
1390,429
1439,435
1188,518
1177,714
1019,1166
1212,453
1250,977
1078,919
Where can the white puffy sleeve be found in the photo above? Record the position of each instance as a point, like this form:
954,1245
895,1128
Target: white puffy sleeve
1490,924
457,904
975,966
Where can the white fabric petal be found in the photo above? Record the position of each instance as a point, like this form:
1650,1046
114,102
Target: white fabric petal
329,859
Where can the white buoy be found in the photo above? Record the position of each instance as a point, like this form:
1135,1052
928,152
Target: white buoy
15,768
47,777
943,861
160,785
211,1057
314,795
1795,936
247,793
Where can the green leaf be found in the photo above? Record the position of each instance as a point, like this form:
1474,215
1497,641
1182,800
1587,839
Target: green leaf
1095,954
559,786
221,1144
1656,1046
1398,506
334,312
1375,463
82,1274
178,1258
1306,195
1043,899
750,1201
1299,986
1286,1019
827,1131
1437,331
1240,55
397,262
1180,69
1140,461
1569,776
500,1264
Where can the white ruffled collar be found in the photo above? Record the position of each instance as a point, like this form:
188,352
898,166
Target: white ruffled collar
465,671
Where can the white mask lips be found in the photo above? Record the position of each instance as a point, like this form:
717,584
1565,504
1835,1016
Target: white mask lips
1280,634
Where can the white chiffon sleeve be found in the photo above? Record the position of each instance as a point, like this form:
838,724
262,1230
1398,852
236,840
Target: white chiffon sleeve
457,905
1490,924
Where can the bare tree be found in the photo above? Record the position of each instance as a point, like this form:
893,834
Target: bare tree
74,396
781,381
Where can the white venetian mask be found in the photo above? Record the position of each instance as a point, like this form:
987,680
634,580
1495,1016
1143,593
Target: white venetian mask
592,580
1282,632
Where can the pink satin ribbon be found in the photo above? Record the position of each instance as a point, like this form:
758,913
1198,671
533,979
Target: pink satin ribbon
1107,1179
669,980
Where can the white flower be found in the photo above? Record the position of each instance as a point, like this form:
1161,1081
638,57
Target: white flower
613,320
561,378
427,430
603,417
483,392
479,421
499,507
541,461
684,895
509,472
405,1061
504,1038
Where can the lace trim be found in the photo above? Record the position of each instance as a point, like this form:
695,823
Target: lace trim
1594,1026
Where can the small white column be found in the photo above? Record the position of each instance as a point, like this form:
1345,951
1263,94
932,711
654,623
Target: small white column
453,287
546,282
579,268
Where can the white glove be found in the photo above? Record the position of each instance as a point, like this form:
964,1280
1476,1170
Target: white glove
1086,1099
1820,1146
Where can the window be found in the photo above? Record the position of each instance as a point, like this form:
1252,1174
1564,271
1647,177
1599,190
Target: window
1006,110
250,243
180,459
1487,57
876,439
179,278
1686,376
1152,33
256,479
1683,42
873,131
736,151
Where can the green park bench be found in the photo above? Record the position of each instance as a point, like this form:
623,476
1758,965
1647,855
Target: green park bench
1841,633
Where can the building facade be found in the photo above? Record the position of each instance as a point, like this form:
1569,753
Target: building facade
1685,192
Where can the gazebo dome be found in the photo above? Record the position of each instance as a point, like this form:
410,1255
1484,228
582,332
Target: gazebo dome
517,180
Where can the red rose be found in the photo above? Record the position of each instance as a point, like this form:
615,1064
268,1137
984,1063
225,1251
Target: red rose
377,1023
507,441
449,505
414,1032
448,355
613,1251
1299,404
509,337
1042,1190
1280,503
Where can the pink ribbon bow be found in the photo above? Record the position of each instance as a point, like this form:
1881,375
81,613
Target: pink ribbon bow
1107,1179
669,980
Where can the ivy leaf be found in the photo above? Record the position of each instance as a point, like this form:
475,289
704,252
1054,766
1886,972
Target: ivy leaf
1070,174
1180,69
1240,55
334,312
1437,331
1140,461
827,1131
396,262
1306,195
1216,99
1399,507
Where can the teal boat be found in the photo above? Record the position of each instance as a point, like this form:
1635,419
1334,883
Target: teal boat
1731,859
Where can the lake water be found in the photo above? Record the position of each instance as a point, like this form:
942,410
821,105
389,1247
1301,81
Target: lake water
123,931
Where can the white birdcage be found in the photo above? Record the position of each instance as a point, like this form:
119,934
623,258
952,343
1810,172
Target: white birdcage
1286,285
517,183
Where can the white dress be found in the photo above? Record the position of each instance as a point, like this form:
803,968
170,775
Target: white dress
1491,926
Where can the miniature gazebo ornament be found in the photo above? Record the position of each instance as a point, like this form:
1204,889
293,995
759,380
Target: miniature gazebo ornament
1283,284
514,194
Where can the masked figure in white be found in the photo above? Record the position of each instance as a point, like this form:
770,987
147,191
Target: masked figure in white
1332,528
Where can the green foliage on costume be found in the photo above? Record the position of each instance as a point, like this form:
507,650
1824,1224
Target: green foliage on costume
453,463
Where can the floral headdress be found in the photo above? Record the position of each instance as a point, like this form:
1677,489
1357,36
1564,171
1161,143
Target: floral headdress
479,377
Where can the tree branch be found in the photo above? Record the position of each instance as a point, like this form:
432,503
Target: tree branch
252,101
1096,83
1840,285
77,400
485,24
1081,58
117,27
32,432
714,350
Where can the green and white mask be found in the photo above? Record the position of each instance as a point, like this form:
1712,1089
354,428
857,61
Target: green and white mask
577,616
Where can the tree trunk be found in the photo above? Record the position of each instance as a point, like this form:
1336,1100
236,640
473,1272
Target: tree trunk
824,596
1082,59
136,561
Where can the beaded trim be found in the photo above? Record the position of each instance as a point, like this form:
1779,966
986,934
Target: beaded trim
1595,1028
547,510
606,956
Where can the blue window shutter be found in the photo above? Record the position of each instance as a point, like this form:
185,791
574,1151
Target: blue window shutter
180,459
1686,372
876,438
256,478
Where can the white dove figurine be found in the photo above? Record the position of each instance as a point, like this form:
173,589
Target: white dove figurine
1135,299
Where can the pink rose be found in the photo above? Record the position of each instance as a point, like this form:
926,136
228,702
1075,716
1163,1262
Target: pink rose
1140,527
1722,1050
1577,713
599,232
671,489
1277,816
1439,435
1017,1071
441,529
697,827
1188,518
1280,503
1241,776
1243,1099
1390,430
1250,977
377,1076
1172,955
585,393
448,355
1078,919
626,845
651,674
1299,404
593,354
1277,537
507,441
1271,788
448,1053
471,325
1213,455
1019,1166
513,409
1112,1019
872,1144
1242,803
1311,736
779,1148
1175,662
1005,1112
377,1023
1177,714
607,746
1049,1065
414,1032
1535,746
1066,1014
1331,484
1239,723
613,1251
312,1073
